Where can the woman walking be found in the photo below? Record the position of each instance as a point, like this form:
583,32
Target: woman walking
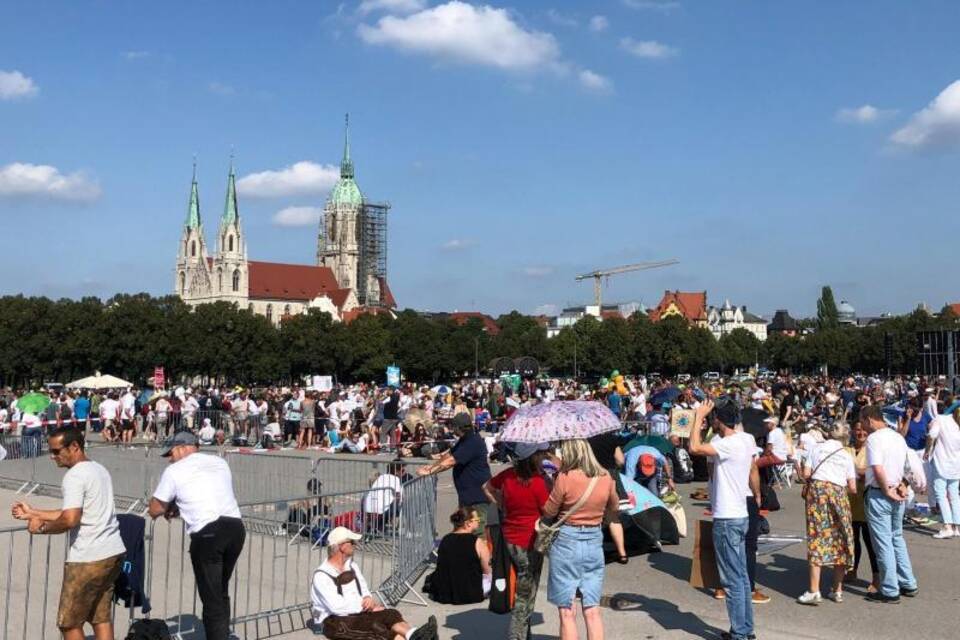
830,475
943,450
858,512
521,493
576,555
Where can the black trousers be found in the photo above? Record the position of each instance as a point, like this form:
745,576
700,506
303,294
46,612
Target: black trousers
213,552
861,530
753,534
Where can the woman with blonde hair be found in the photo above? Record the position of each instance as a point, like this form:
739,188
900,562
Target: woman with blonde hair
576,555
831,476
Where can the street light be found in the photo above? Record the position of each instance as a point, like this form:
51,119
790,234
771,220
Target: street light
476,357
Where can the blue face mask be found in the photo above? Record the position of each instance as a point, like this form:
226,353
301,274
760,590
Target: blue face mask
548,467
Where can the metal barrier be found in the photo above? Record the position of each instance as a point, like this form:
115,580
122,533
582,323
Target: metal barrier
270,589
17,447
29,594
340,472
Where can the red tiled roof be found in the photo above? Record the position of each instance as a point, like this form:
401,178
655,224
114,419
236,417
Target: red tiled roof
356,312
607,315
955,307
489,325
692,304
386,296
301,282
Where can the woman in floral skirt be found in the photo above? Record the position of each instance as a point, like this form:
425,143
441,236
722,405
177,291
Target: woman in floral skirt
831,477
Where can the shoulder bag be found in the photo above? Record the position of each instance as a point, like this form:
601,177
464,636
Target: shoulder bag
805,492
546,533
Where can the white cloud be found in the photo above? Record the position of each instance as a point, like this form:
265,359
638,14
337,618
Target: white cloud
538,271
392,6
563,20
301,178
599,23
466,33
221,89
938,124
21,179
657,5
457,244
867,114
594,81
298,217
647,48
14,85
135,55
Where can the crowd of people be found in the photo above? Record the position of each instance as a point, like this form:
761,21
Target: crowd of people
864,449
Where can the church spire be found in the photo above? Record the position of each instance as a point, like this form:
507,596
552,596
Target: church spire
346,165
230,213
193,210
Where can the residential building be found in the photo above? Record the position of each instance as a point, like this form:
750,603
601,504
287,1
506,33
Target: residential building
723,320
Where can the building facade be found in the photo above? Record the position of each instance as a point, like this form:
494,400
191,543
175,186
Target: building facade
349,278
691,305
723,320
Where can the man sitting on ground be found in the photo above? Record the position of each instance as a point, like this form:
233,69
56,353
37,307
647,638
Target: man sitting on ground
342,606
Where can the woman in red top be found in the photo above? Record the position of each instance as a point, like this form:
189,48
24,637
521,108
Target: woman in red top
521,492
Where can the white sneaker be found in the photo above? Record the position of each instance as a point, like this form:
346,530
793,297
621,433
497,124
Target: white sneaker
836,596
944,534
812,599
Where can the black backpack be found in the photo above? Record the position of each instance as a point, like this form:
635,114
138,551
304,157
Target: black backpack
146,629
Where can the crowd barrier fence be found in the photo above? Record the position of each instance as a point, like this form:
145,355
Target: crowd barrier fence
270,589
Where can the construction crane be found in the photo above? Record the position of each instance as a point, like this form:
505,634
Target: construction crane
606,273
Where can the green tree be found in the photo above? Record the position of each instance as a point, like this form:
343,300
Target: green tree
827,315
739,349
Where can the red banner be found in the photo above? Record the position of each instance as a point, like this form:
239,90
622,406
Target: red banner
159,382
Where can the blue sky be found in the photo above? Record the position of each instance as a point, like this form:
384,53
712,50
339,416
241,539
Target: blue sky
771,147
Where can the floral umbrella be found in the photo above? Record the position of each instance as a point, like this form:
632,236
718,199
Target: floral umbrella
560,420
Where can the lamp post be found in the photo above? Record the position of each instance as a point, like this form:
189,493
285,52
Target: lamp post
476,357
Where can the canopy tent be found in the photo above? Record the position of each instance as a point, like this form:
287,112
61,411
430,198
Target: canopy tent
99,381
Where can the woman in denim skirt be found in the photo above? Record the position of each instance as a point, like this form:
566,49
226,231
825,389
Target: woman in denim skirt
576,555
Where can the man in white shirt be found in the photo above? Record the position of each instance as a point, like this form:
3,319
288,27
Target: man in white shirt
884,502
96,550
189,409
342,605
128,413
109,416
734,454
199,488
383,498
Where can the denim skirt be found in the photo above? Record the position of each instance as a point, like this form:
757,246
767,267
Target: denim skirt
576,562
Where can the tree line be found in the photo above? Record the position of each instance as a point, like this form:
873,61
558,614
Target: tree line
128,335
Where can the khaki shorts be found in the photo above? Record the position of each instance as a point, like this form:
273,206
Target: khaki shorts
87,592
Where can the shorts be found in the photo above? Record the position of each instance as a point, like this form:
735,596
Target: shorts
87,592
362,626
126,424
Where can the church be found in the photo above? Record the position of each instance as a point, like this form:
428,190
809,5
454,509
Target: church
348,279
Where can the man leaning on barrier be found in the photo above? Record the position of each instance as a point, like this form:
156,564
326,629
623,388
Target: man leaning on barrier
342,606
96,549
199,488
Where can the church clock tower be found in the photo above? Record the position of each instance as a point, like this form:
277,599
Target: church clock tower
193,270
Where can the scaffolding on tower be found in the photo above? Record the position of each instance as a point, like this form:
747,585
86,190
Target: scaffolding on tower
372,224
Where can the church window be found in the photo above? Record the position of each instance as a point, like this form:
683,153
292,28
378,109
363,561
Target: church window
236,280
333,229
183,283
230,243
193,248
270,313
219,279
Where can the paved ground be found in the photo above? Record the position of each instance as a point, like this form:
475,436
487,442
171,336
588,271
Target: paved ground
651,599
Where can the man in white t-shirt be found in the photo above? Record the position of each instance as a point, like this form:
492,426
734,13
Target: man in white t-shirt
884,505
96,550
385,492
944,439
199,488
734,454
109,416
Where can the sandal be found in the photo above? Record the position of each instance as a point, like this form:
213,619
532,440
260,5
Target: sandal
623,559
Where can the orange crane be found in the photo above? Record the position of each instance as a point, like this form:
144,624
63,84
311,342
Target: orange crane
606,273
